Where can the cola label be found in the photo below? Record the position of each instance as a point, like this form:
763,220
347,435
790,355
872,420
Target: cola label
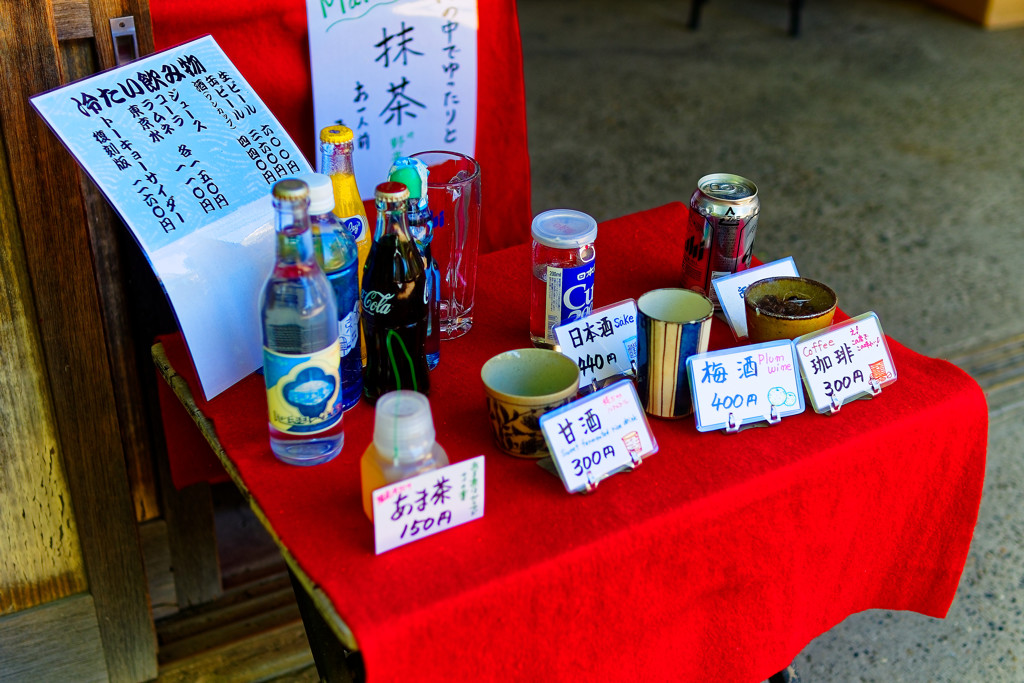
377,303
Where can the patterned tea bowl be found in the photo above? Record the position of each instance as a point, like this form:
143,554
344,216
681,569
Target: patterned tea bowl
787,307
521,386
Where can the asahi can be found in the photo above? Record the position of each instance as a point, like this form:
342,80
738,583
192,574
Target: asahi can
720,235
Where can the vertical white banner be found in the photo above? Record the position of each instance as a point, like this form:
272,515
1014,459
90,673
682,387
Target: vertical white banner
402,74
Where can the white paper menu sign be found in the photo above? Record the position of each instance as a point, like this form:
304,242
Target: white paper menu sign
845,362
603,344
594,437
187,154
429,503
731,288
743,385
402,74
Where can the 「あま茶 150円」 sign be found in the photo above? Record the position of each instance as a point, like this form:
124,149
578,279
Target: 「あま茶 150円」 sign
415,508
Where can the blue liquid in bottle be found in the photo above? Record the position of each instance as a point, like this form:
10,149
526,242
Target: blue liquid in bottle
338,256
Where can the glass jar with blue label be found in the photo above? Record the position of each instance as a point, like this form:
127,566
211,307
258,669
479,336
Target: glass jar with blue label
563,258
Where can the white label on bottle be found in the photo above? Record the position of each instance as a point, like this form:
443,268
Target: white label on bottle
438,500
348,331
356,226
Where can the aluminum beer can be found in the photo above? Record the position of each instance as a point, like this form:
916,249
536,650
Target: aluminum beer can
720,234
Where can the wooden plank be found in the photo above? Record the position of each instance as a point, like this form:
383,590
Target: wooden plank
42,557
287,612
73,19
59,641
267,655
52,219
105,10
264,594
157,556
122,322
192,541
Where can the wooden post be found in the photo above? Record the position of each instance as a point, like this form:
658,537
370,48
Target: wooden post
58,259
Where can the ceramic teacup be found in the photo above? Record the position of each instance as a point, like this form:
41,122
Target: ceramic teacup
672,325
521,386
787,307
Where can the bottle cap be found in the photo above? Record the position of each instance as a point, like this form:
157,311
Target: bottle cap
412,173
403,426
291,190
392,192
321,193
563,229
336,134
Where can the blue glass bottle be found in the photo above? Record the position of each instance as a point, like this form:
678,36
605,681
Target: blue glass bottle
301,353
338,256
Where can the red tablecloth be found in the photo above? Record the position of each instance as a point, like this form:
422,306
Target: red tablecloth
721,556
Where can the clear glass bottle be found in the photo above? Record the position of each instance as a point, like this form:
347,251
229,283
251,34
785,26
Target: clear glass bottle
413,174
563,258
403,445
336,254
394,299
301,353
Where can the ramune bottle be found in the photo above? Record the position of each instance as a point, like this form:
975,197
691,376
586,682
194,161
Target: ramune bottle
394,298
336,254
301,352
403,444
413,174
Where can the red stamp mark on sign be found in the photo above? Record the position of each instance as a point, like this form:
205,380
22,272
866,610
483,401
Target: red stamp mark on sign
878,371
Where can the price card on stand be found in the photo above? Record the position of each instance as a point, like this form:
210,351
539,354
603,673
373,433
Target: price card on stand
845,362
731,288
603,344
429,503
734,387
597,436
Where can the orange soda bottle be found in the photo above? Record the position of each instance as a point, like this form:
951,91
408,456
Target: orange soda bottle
335,161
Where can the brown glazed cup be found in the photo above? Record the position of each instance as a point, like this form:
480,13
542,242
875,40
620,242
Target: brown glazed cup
811,307
521,386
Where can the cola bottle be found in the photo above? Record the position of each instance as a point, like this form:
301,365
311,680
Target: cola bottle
413,174
395,301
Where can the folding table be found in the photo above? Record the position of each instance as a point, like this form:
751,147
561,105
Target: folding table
722,554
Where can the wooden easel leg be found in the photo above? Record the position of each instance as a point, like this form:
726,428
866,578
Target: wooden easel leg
695,7
795,8
334,662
